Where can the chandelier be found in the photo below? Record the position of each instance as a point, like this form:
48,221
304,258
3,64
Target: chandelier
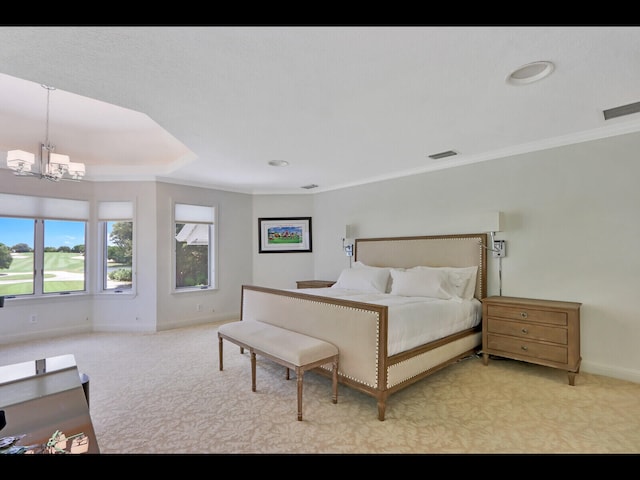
51,166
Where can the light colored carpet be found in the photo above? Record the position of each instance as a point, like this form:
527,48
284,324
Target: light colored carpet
163,393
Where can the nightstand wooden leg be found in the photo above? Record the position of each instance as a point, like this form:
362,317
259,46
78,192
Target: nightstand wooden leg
572,378
485,358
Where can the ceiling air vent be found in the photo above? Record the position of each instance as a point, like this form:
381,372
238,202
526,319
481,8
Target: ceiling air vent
448,153
309,187
621,111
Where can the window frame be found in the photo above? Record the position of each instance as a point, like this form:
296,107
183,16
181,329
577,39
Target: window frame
115,211
103,229
196,214
40,209
39,234
85,289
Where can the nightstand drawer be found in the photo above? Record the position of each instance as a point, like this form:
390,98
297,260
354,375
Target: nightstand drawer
526,348
528,331
528,314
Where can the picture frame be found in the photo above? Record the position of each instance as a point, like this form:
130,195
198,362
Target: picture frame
284,235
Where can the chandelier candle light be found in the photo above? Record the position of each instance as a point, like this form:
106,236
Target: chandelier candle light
53,166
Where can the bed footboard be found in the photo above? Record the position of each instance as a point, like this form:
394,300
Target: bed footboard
359,330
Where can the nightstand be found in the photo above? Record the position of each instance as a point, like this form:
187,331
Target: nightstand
545,332
314,283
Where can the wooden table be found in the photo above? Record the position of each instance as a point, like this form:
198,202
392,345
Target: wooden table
42,397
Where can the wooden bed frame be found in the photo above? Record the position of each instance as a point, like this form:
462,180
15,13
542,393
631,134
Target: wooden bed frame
359,330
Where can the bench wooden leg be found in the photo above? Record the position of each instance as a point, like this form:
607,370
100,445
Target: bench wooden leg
335,381
299,375
220,352
253,370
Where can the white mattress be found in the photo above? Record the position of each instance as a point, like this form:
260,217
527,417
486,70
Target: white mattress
413,321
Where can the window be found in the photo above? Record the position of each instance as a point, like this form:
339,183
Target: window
16,256
64,264
194,259
116,239
41,253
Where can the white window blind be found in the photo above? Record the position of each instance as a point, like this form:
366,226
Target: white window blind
193,213
43,207
115,210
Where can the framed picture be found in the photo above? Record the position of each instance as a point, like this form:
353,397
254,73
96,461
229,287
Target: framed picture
284,235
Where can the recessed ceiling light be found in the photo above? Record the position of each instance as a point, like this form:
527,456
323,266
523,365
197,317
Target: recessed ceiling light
278,163
531,72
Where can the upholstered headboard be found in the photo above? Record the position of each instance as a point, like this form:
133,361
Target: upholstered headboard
464,250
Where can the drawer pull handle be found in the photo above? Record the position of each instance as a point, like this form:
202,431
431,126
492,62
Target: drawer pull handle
524,315
525,331
524,347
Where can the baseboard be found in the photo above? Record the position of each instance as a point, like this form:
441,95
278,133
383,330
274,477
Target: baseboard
123,328
177,323
7,339
613,372
218,318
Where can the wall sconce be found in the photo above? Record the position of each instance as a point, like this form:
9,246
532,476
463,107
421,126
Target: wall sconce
346,246
498,247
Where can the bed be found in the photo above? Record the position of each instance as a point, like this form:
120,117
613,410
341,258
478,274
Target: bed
380,354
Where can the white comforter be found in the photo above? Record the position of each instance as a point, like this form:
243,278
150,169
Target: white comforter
413,321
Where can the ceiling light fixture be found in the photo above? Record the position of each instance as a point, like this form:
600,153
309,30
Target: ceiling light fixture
53,166
531,72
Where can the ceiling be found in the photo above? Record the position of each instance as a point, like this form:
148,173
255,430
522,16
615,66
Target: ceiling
211,106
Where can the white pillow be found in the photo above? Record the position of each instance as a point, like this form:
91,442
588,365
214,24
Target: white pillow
462,280
363,279
390,284
359,264
421,282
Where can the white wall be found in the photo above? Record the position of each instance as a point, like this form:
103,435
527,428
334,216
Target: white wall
571,222
234,237
281,270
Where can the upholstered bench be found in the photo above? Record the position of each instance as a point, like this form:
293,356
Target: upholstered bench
291,349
